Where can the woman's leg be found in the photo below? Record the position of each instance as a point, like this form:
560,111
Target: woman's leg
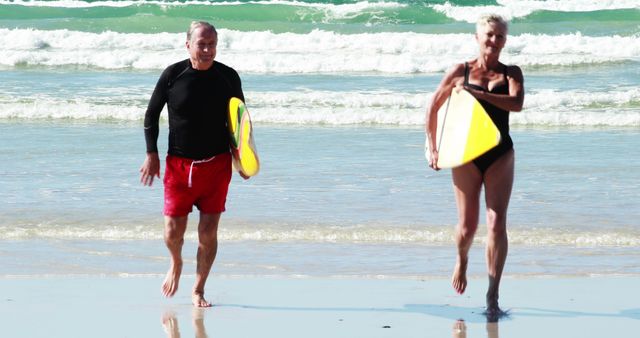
498,183
467,184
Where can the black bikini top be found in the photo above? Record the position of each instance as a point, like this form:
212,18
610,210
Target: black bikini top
497,89
499,116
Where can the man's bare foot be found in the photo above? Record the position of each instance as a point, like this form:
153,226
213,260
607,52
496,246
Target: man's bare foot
197,298
459,278
170,284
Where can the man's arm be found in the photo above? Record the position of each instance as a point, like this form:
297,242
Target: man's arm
151,166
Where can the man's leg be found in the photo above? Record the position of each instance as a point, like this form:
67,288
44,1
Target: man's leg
170,325
198,323
498,185
174,229
467,184
207,249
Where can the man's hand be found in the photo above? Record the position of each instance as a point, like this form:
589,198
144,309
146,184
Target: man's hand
150,169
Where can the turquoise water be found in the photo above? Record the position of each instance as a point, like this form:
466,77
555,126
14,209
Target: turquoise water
337,91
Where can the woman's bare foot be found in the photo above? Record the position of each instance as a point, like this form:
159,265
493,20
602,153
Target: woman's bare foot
170,284
459,278
494,312
459,329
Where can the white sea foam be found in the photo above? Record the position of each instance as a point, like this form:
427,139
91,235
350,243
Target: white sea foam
542,107
581,108
329,11
509,6
511,9
87,4
397,235
569,108
48,108
315,52
338,10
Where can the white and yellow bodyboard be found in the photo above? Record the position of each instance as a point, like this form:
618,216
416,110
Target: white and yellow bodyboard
465,131
243,148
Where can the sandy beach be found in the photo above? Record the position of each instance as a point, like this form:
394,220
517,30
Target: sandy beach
79,306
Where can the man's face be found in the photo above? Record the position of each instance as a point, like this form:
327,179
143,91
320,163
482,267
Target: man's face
202,47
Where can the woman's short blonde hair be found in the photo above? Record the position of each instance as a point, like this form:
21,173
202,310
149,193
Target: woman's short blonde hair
486,19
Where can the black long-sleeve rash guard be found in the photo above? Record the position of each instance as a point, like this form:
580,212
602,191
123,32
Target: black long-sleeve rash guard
197,102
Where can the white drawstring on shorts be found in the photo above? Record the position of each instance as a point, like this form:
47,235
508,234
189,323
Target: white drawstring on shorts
196,162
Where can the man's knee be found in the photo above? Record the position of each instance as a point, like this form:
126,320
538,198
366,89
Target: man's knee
174,229
208,228
208,237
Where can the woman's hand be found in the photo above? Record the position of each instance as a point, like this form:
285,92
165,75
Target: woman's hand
433,160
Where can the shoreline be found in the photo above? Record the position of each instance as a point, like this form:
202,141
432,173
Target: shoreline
317,307
222,277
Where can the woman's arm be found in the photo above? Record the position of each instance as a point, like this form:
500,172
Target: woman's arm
451,79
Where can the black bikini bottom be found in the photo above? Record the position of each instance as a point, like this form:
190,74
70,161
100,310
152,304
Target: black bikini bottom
487,159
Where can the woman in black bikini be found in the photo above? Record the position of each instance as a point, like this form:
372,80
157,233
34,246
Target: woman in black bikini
500,89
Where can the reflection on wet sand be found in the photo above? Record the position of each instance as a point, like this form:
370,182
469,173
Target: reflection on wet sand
495,316
492,329
170,324
460,329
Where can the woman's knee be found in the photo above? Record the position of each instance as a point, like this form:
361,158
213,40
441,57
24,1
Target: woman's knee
496,223
467,229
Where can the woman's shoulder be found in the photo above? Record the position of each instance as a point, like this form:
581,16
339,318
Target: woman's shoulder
456,70
454,74
514,71
512,67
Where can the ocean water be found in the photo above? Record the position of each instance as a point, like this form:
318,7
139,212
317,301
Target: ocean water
337,91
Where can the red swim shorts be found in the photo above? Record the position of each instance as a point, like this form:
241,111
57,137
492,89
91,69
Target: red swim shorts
202,183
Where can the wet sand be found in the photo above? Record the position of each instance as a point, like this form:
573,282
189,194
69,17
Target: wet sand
90,306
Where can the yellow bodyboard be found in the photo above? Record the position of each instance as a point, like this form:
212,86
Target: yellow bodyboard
465,131
243,148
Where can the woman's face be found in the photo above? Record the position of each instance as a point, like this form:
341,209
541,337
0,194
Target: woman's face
491,38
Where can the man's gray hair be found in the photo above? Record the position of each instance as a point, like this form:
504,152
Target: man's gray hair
485,19
197,24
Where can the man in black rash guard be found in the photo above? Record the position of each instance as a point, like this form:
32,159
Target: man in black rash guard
198,164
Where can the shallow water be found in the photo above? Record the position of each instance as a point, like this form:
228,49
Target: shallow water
329,201
337,91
